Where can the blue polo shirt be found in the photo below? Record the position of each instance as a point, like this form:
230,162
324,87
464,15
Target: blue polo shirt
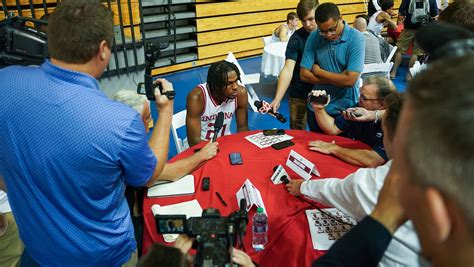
67,152
345,54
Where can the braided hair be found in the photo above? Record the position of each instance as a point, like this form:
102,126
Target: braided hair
217,77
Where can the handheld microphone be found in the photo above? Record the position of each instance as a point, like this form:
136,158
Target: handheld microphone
218,125
259,104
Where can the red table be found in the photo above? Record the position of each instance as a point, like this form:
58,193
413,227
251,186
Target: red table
289,240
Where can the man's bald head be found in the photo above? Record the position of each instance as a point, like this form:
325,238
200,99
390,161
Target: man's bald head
360,24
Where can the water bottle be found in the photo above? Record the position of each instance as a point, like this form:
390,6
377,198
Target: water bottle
259,230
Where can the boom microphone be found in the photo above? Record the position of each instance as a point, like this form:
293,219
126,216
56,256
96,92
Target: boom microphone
218,125
258,104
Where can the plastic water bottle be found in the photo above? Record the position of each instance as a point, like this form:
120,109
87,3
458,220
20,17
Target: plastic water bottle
259,230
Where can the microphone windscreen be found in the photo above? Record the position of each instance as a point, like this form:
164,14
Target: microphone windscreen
257,104
219,120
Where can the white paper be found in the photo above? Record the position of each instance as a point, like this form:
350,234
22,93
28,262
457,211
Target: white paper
325,230
300,165
184,186
263,141
188,208
252,196
279,172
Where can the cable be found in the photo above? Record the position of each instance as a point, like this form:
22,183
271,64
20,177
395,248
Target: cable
325,213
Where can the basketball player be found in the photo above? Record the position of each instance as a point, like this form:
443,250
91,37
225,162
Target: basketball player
221,93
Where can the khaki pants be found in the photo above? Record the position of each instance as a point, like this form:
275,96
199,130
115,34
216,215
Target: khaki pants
297,113
11,246
133,260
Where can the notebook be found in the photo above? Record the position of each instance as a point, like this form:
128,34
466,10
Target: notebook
184,186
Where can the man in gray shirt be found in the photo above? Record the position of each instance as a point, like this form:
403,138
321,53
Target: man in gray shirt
372,45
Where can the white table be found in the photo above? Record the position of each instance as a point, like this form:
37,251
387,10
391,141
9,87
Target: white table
273,58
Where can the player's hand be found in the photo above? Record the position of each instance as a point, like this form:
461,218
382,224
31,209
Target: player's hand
322,147
184,243
163,104
208,151
317,93
294,187
275,105
241,258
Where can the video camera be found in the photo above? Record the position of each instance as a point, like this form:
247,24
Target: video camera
214,234
152,54
22,45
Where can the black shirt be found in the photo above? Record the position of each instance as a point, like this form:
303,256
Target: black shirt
294,51
404,12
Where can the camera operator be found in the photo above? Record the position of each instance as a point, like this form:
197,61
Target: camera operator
177,256
68,151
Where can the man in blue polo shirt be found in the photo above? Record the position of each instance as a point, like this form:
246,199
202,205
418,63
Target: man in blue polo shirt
290,75
333,60
68,150
371,98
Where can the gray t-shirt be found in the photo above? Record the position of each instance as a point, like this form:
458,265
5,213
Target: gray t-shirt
372,49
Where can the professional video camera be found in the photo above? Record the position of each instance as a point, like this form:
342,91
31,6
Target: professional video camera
214,234
152,54
22,45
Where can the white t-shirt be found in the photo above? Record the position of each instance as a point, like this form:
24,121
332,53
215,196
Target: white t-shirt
4,205
209,114
356,196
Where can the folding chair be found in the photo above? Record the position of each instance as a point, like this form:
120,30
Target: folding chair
178,121
247,80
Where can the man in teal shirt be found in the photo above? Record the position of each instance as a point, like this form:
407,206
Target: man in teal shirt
333,60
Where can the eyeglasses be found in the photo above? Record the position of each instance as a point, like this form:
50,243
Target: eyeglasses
364,98
331,31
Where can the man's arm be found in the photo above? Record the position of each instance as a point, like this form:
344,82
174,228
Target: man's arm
359,157
175,170
283,33
324,120
2,184
284,80
366,243
159,141
194,107
344,79
385,17
355,195
241,116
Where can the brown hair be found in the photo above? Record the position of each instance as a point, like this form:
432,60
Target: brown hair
305,6
76,28
393,103
291,16
459,13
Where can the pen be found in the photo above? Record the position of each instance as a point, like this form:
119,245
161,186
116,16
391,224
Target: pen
221,199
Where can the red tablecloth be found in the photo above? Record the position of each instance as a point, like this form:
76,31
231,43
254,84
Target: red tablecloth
289,238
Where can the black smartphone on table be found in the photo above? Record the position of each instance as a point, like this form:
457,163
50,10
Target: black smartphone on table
235,158
283,144
273,132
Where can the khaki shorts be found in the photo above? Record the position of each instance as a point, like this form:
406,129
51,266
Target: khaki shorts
11,246
297,113
406,38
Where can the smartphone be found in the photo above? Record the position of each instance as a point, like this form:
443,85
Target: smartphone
352,113
283,144
205,184
273,132
235,158
321,99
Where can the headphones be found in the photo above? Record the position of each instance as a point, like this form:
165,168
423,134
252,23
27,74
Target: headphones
456,48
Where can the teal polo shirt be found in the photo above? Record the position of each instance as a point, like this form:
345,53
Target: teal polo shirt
345,54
